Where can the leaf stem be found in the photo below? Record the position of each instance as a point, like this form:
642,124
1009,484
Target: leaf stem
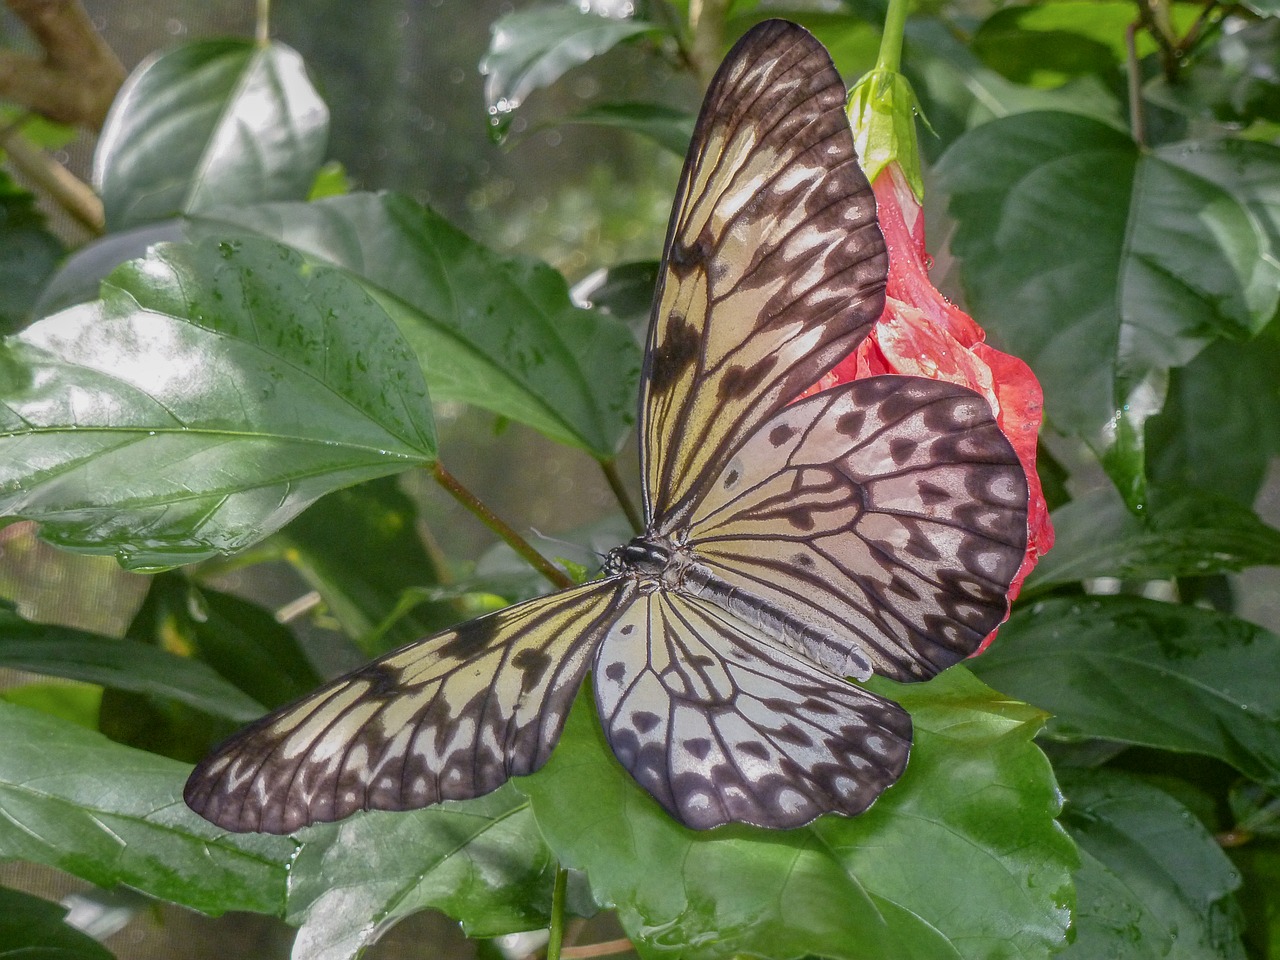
895,24
495,523
610,469
556,937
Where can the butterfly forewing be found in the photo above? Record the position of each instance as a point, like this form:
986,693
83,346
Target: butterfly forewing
889,515
449,717
721,725
774,266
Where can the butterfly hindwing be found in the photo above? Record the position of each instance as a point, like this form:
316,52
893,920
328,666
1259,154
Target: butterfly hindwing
449,717
720,725
889,514
774,266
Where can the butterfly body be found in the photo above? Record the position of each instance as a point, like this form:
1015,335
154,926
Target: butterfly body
790,543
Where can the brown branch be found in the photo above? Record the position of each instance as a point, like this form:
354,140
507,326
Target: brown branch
60,184
79,75
1154,15
606,949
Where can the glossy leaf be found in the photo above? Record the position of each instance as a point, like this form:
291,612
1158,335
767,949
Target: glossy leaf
211,395
665,126
79,278
123,664
1150,257
209,123
482,862
497,332
1152,883
110,814
532,49
28,254
974,811
375,522
1145,672
32,928
1183,533
1224,400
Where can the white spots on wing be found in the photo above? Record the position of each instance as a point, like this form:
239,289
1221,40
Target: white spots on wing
991,563
1007,487
418,789
791,801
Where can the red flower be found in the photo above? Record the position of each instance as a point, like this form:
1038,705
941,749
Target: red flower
923,334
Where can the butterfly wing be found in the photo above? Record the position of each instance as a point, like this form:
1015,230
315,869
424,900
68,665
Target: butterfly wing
720,725
889,515
774,266
449,717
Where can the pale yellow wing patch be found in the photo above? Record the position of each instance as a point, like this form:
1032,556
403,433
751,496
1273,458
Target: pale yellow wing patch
774,266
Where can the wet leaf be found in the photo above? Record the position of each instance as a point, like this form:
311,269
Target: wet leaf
209,123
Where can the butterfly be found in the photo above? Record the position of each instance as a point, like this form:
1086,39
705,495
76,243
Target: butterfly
790,544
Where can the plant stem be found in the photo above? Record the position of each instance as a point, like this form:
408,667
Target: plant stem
1137,118
557,913
262,32
706,20
499,526
60,184
895,24
610,468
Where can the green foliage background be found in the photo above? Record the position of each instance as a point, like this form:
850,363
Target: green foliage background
241,390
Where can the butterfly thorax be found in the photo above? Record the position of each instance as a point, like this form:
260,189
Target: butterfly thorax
657,560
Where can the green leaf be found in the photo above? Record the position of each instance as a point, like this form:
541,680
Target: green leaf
240,640
122,664
959,93
375,522
532,49
32,928
1152,883
211,395
497,332
1144,672
210,123
77,703
1104,266
28,254
624,291
671,129
974,811
482,862
1264,8
1223,400
109,814
1045,44
1260,896
1182,533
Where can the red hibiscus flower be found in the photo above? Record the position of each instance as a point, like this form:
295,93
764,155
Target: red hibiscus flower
923,334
